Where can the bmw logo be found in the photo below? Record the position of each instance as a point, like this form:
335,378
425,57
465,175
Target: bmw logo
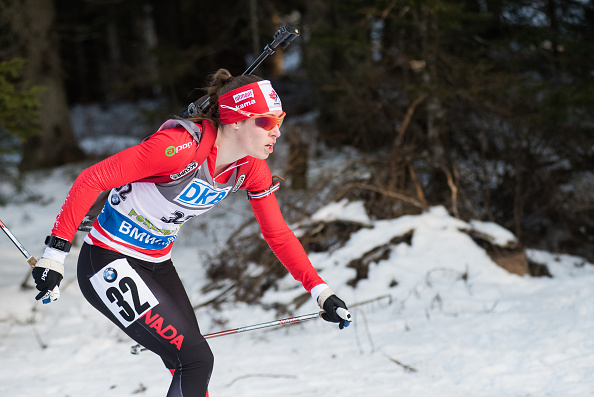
110,274
115,199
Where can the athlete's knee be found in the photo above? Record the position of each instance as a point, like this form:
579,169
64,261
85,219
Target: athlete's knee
206,356
198,356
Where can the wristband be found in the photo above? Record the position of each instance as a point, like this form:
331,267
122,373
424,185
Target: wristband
323,296
317,290
58,243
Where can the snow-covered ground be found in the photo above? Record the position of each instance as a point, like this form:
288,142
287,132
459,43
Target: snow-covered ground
435,318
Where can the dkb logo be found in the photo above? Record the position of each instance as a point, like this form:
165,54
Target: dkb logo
200,194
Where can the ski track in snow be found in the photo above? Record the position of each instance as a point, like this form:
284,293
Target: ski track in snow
454,325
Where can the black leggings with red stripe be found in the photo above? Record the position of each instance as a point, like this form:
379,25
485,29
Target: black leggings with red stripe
165,324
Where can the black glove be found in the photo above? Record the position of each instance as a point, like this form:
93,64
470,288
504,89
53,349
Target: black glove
331,303
47,281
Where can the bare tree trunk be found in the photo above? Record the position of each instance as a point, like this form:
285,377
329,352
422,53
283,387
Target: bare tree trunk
111,76
254,28
149,34
298,158
33,22
430,43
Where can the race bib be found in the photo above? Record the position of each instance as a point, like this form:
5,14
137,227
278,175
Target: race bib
123,291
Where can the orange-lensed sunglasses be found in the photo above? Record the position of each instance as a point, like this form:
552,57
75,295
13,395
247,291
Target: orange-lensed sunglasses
266,121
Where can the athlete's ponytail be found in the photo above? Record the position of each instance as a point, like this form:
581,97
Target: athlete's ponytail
219,83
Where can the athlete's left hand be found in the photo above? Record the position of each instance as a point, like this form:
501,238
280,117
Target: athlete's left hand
334,309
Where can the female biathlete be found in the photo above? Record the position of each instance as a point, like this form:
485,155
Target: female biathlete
183,170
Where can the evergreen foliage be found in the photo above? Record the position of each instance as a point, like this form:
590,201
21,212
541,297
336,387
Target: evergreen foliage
18,106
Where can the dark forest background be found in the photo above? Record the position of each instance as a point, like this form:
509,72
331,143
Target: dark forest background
483,106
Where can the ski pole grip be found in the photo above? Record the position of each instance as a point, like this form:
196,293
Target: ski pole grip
344,314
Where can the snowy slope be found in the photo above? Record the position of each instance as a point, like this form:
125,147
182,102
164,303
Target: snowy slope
441,319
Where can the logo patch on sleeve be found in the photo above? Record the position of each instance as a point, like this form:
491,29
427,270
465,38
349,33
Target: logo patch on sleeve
189,168
171,151
238,183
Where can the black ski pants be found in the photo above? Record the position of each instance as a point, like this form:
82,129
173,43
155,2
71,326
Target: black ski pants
149,303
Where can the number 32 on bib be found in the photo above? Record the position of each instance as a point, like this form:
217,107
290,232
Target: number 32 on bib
123,291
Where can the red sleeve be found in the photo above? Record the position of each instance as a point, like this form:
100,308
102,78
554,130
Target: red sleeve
148,158
283,242
259,177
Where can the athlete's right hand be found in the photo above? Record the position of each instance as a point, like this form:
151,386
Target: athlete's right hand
48,273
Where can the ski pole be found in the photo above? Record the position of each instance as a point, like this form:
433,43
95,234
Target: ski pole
136,349
283,37
30,259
